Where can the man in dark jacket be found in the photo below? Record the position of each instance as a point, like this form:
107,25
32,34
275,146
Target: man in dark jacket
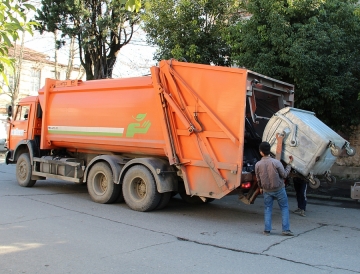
270,175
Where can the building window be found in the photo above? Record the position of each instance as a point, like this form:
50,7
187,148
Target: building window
35,80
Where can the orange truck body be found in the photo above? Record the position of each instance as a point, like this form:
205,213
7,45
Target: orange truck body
193,119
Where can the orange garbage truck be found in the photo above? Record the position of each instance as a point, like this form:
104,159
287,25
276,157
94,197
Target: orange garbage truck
186,129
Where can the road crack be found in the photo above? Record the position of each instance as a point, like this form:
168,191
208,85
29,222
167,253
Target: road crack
321,267
262,253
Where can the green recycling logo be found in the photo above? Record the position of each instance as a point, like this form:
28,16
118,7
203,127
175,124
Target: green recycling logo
138,127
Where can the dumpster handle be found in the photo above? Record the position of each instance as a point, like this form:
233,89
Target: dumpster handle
293,127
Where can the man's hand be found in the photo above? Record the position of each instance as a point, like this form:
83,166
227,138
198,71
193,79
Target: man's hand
261,191
291,159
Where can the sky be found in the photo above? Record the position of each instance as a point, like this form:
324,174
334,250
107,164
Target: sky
134,59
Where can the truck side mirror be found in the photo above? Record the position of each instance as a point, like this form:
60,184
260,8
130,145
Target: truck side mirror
9,111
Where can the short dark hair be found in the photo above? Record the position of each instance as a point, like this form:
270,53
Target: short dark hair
265,148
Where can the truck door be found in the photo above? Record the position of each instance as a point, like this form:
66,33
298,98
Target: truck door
19,126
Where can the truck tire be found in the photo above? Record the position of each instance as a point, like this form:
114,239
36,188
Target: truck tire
100,184
139,189
24,171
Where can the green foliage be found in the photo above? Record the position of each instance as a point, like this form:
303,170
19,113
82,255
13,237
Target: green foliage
100,27
193,30
132,5
12,20
313,44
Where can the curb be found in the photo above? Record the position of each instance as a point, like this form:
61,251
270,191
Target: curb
326,197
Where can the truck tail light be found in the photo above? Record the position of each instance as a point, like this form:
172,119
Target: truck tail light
246,185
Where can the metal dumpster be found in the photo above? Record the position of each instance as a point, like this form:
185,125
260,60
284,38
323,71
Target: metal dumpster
313,145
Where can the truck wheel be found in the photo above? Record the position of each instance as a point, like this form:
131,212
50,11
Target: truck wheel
139,189
100,184
23,171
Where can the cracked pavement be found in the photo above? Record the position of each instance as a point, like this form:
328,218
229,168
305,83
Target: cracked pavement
54,227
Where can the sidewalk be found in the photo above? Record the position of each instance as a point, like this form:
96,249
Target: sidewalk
338,192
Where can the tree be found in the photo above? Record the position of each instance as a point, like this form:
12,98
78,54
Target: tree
357,13
101,28
313,44
194,30
132,5
12,21
14,87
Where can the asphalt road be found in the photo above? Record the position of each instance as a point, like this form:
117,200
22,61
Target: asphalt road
54,227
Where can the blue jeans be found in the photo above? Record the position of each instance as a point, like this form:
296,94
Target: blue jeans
282,199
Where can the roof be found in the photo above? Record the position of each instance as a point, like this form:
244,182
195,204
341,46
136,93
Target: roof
34,56
30,55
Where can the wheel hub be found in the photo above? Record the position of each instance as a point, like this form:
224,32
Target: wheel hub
22,170
141,188
100,183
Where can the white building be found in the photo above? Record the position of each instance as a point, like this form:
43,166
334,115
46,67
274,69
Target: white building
35,68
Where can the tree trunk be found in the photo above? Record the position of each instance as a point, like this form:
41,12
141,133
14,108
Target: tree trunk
88,67
56,55
70,65
17,73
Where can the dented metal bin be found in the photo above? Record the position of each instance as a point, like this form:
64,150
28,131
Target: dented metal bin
313,144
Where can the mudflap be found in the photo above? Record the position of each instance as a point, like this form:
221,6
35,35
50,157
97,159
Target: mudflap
8,155
250,197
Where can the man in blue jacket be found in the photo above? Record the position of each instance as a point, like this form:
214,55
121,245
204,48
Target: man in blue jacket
270,175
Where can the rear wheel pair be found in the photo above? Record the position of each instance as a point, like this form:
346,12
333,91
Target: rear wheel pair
138,190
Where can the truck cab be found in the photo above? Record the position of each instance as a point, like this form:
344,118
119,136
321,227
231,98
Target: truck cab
24,128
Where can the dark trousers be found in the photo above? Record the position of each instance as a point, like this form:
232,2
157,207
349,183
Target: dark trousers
300,189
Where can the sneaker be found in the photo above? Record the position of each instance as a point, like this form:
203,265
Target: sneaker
287,233
297,211
302,213
266,233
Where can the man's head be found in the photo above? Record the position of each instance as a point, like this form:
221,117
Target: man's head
265,148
